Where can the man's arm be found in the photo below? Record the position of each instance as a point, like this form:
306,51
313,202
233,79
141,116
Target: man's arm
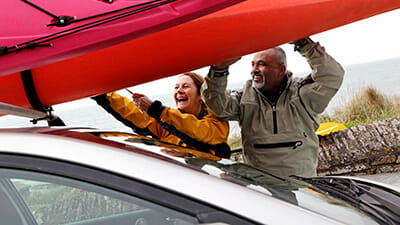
213,91
327,75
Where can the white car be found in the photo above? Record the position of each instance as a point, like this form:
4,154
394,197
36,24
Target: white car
62,176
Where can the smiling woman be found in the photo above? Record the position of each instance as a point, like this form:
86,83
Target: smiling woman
187,93
191,124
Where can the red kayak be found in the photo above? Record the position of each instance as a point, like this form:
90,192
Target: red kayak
244,28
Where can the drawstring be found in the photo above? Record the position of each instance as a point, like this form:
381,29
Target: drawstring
41,9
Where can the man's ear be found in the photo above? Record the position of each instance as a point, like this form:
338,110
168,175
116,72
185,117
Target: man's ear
282,69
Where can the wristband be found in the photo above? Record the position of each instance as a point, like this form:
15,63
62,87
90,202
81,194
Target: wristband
155,110
218,73
298,45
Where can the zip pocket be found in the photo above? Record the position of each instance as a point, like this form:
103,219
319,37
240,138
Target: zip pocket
293,144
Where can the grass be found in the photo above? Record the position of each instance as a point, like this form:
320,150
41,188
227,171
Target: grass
366,107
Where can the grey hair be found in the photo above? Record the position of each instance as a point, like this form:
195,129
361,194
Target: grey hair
281,55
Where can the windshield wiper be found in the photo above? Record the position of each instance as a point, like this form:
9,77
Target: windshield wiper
381,203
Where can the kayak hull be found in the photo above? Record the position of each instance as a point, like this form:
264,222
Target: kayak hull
244,28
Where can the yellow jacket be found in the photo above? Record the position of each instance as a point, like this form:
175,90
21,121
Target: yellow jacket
206,133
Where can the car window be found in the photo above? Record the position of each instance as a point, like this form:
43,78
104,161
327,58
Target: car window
48,199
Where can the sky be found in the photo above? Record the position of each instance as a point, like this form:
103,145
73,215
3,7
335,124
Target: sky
372,39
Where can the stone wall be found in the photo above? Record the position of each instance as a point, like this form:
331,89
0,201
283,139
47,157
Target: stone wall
365,149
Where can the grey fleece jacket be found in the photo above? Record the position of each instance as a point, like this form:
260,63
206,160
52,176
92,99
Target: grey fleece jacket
280,137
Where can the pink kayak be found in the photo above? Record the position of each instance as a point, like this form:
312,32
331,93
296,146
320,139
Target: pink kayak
39,32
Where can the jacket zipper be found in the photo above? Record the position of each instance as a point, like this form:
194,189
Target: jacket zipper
274,119
293,144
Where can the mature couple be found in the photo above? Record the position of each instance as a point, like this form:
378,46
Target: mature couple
278,113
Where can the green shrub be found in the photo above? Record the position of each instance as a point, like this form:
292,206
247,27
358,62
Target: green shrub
366,107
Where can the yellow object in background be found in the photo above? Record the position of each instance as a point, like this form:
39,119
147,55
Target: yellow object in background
329,127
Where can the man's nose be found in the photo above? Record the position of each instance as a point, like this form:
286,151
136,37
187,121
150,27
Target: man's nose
254,69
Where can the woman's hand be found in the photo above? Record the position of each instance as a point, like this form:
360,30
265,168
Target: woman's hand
142,101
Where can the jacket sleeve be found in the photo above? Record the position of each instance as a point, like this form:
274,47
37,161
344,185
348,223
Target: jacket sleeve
327,75
208,130
129,114
223,103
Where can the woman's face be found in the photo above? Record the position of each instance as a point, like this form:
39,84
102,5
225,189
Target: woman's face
186,95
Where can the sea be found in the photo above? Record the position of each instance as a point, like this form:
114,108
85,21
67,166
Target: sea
382,75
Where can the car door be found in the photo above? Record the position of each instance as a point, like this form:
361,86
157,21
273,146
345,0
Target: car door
42,191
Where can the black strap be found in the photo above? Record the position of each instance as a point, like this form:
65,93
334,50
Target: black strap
102,101
306,81
221,150
33,98
30,90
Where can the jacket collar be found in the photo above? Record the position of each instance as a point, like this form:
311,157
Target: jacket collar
283,86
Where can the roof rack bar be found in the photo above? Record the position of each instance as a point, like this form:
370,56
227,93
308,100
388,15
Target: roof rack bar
20,111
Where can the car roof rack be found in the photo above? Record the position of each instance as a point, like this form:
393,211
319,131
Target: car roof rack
35,115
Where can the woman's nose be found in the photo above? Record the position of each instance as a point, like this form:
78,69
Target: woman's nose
179,89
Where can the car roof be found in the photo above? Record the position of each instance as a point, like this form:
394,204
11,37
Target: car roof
149,163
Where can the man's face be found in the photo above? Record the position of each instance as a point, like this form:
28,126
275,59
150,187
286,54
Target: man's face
266,70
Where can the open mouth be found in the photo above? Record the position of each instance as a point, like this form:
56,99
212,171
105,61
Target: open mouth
181,99
258,76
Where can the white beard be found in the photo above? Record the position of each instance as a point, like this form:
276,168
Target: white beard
259,85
